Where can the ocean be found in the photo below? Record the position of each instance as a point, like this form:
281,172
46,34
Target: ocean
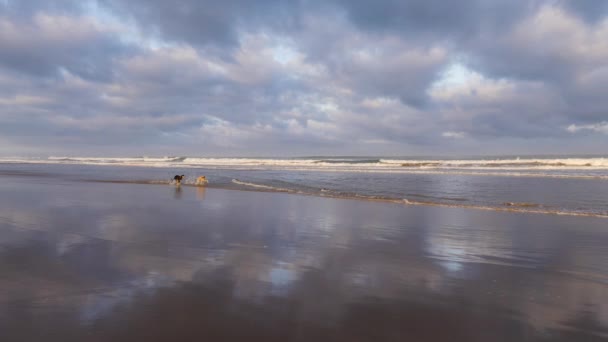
567,185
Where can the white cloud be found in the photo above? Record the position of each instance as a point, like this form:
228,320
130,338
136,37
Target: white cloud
600,127
553,32
453,135
460,83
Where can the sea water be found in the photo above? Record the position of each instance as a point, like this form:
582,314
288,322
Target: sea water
545,184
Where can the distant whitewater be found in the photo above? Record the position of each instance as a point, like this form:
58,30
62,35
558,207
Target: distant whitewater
593,167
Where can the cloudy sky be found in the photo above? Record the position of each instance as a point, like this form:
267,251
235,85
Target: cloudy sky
303,77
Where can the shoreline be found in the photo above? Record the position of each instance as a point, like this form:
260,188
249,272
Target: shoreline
511,207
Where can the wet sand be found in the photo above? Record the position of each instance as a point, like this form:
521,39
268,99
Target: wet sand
129,262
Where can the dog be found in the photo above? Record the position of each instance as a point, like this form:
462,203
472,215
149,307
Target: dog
202,180
178,179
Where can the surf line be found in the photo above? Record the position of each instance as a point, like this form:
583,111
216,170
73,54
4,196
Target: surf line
508,209
512,208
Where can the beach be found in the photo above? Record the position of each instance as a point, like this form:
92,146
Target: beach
95,261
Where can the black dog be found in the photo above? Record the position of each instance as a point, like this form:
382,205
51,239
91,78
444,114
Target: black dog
178,179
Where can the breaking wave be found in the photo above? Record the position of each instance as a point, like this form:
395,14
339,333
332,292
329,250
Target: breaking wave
348,161
107,160
506,163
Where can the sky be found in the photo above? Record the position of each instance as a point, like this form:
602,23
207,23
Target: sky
303,77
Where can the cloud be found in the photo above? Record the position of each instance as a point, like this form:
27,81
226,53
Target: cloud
590,10
206,23
302,77
600,127
434,19
45,45
453,135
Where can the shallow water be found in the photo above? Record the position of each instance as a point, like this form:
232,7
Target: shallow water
554,195
124,262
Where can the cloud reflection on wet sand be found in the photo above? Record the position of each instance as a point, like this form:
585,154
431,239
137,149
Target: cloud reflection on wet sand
104,262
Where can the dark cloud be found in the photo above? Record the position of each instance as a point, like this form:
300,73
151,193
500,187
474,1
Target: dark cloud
555,48
204,23
435,19
591,10
44,45
26,8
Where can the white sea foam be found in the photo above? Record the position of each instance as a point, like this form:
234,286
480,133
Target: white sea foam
507,208
518,163
261,186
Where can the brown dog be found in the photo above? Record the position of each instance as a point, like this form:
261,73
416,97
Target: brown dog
202,180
